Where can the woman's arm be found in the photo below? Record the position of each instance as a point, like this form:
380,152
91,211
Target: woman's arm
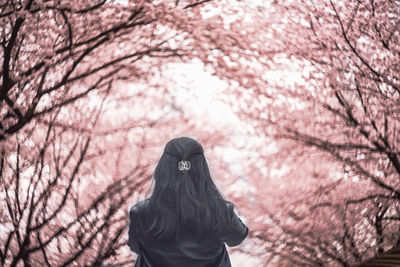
133,237
239,230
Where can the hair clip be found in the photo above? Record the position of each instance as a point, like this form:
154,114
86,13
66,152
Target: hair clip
184,165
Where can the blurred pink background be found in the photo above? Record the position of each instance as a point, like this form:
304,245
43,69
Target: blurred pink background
296,104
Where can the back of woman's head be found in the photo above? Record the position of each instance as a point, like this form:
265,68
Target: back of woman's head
184,191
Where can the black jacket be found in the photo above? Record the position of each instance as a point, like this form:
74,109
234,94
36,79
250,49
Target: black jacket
187,249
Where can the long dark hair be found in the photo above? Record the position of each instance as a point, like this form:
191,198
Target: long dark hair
188,196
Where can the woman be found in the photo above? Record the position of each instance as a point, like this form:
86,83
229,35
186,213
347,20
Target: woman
186,221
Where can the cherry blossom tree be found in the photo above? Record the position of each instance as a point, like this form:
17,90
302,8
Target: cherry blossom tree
324,89
55,52
72,98
315,82
67,187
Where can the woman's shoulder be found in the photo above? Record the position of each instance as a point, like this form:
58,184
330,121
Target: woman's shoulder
227,204
226,207
139,207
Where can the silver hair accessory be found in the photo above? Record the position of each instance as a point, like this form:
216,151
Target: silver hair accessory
184,165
